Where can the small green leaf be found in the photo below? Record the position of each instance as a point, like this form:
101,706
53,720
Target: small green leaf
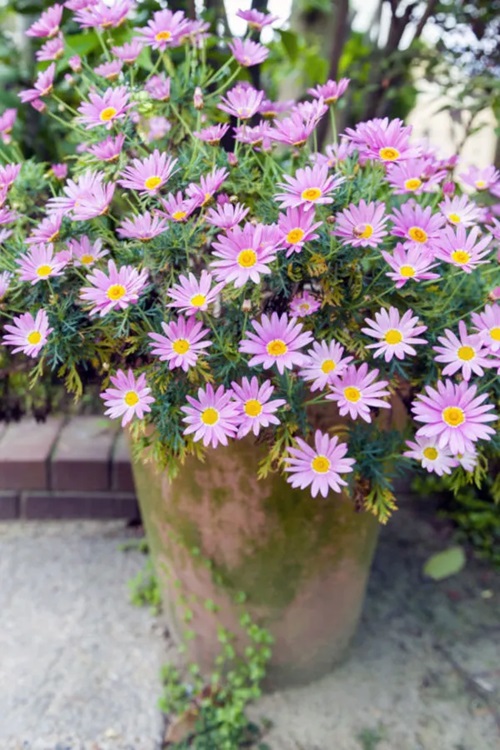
445,564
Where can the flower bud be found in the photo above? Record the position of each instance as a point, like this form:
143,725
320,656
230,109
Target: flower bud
232,159
198,98
448,188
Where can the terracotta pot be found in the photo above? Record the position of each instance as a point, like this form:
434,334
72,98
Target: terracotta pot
303,563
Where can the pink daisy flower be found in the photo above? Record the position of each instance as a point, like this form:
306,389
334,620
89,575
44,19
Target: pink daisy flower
142,227
28,334
165,29
42,87
417,224
259,137
330,91
324,362
454,416
60,171
241,102
7,120
75,63
128,398
465,352
303,305
335,154
192,295
255,408
182,343
209,184
395,334
311,186
242,255
128,52
8,175
53,49
7,216
85,252
467,460
213,417
177,208
105,109
40,263
462,249
481,179
363,225
226,216
256,19
95,203
297,226
355,391
460,210
319,467
383,140
48,24
5,279
158,87
108,150
116,290
277,341
46,231
414,176
409,263
109,70
213,134
102,15
431,456
248,53
270,110
148,175
294,130
75,192
487,323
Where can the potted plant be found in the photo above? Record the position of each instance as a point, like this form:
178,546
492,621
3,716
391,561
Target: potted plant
271,324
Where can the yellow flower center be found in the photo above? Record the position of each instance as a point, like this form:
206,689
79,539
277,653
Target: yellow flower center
295,235
328,365
34,337
430,453
413,183
461,257
131,398
209,416
393,336
276,348
53,237
163,36
407,271
363,231
351,393
107,114
311,194
179,215
304,307
320,464
247,258
454,218
198,300
417,234
388,153
44,271
116,291
152,182
480,184
181,346
466,353
495,333
453,416
87,259
252,407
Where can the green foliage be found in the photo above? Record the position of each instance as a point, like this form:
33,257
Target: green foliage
144,589
445,564
369,739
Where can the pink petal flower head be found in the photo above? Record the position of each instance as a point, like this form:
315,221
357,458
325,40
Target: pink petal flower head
128,398
241,101
209,185
320,467
128,52
103,15
331,91
410,263
417,225
255,408
53,49
213,134
297,226
463,250
248,53
183,342
303,305
293,130
40,263
466,353
481,179
259,137
148,175
105,109
109,70
454,416
226,216
270,110
108,150
431,456
176,207
42,87
362,225
460,211
192,295
487,324
335,154
48,24
5,279
256,19
84,252
142,227
324,362
242,255
60,171
165,29
383,140
8,175
355,391
467,460
414,176
96,203
311,186
116,290
46,231
158,87
28,334
7,120
154,128
395,334
75,192
213,417
276,341
7,216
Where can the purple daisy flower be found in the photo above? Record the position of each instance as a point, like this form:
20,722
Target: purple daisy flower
74,192
8,175
256,19
40,263
363,225
129,51
96,203
108,150
258,137
355,391
28,334
303,305
395,334
414,176
60,171
109,70
85,252
7,121
454,415
177,208
323,363
242,255
487,323
209,184
213,134
226,216
466,352
117,289
462,249
128,398
296,129
213,417
148,175
311,186
409,263
102,15
383,140
142,227
241,101
42,86
297,226
460,210
417,224
165,29
277,341
158,87
47,230
255,409
248,53
192,295
53,49
104,109
319,467
182,343
330,91
48,23
431,456
481,179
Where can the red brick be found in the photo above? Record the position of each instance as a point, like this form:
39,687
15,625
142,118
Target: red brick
121,470
82,456
25,448
9,506
66,505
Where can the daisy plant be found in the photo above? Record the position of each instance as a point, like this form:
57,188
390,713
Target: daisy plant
224,280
